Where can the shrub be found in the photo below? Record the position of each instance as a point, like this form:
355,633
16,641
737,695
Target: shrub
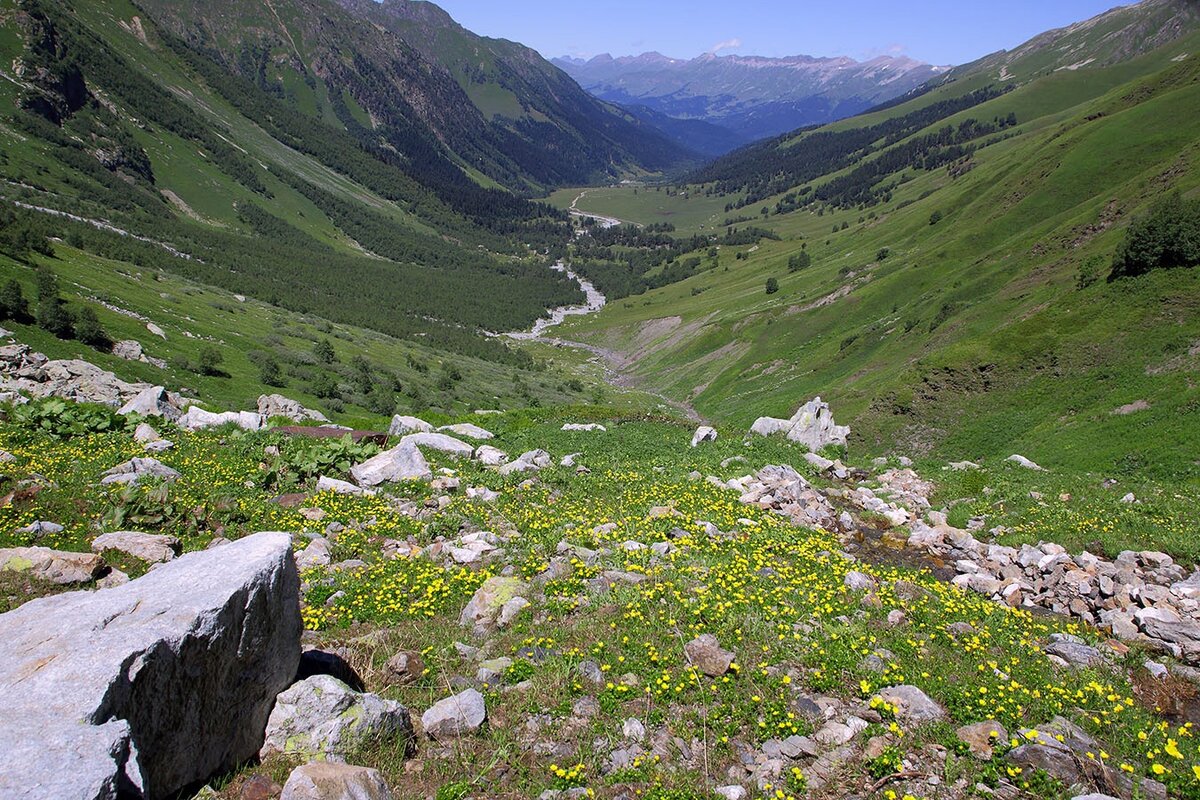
209,360
1167,237
772,286
89,331
13,304
935,218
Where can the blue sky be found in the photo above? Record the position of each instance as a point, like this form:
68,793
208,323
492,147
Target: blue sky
937,31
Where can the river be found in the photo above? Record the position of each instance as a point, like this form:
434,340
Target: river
595,301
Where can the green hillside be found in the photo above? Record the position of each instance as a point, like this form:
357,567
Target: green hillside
957,303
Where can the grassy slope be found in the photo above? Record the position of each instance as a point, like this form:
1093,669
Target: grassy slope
1021,359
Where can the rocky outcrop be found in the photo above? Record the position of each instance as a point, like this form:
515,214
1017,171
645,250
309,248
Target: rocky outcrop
812,426
703,434
152,686
440,442
23,370
276,405
139,469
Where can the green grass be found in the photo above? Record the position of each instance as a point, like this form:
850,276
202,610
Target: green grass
648,205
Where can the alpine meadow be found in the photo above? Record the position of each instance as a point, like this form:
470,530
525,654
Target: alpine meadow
390,409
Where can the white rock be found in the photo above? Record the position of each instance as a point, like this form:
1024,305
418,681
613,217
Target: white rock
490,456
325,484
155,401
704,434
276,405
321,780
468,430
323,718
149,547
402,425
440,442
196,418
1024,462
578,426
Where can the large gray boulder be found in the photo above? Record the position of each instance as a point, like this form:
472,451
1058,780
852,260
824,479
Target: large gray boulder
321,717
153,686
402,463
468,430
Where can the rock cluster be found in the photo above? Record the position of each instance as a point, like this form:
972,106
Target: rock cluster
26,372
1139,596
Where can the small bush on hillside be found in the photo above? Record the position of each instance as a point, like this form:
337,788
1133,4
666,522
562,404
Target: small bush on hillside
89,330
772,286
209,360
13,304
1166,238
935,218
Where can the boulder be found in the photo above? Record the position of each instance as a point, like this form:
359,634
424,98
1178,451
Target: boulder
139,469
530,461
812,426
440,442
152,548
913,705
128,349
321,717
196,418
402,425
154,401
704,434
402,463
145,434
483,610
321,780
584,427
490,456
276,405
55,566
150,687
1022,461
468,430
455,716
706,654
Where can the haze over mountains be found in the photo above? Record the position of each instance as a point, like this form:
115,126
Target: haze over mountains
750,97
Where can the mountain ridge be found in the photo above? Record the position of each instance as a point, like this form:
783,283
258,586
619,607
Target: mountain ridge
752,96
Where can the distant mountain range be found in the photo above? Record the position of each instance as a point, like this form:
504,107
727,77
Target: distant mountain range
747,97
